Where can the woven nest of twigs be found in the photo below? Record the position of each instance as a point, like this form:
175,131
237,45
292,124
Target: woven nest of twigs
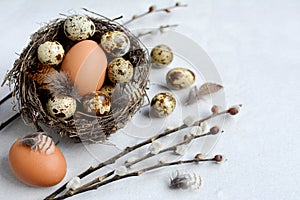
30,95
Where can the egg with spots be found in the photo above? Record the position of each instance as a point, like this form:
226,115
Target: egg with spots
61,107
115,43
163,104
51,53
120,70
107,90
178,78
161,56
78,27
96,103
37,161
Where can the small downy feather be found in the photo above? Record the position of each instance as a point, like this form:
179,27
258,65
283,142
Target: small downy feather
39,141
205,89
60,84
185,181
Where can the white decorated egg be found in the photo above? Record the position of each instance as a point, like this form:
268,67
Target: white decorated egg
115,43
51,53
178,78
161,55
61,107
96,103
163,104
120,70
78,27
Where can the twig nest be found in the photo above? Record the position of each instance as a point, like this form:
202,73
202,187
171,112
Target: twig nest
61,89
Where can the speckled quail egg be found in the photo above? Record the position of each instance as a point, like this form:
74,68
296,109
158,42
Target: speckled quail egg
107,90
163,104
61,107
50,53
178,78
161,56
115,43
120,70
96,103
78,27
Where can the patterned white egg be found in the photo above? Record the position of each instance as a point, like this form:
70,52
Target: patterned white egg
96,103
161,56
107,90
78,27
163,104
61,107
115,43
178,78
51,53
120,70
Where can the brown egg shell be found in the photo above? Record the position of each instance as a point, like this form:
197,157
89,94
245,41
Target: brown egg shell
36,168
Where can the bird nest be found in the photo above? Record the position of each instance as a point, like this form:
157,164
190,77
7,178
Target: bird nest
30,96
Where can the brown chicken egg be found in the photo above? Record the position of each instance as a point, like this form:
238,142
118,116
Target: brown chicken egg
36,161
86,65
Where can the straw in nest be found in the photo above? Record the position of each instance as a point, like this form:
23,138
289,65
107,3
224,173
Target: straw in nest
30,97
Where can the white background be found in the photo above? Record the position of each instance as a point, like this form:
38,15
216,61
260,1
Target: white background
255,47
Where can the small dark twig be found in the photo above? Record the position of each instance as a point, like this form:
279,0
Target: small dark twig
152,9
127,150
161,29
6,98
100,183
11,119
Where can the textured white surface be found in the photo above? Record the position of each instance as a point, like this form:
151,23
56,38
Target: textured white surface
255,47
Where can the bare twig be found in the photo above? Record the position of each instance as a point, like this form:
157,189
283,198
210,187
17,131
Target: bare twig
132,148
160,29
9,120
187,140
131,174
6,98
152,9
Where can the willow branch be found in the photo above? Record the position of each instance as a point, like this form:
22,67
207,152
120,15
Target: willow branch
127,150
187,140
160,29
152,9
131,174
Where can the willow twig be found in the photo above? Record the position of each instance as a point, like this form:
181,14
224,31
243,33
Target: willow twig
127,150
160,29
9,120
186,140
6,98
152,9
196,159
